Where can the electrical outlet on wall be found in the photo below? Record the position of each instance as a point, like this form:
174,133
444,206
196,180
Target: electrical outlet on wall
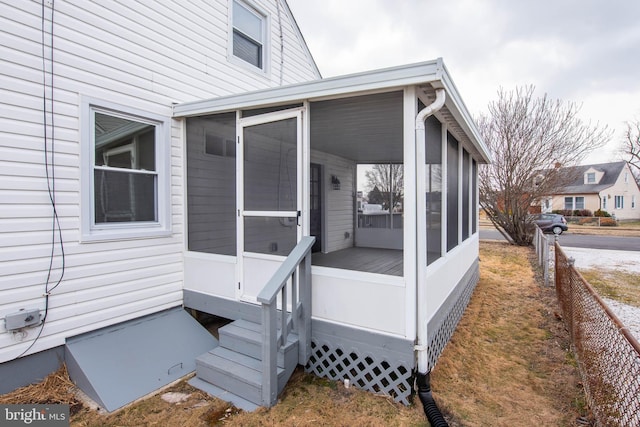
22,319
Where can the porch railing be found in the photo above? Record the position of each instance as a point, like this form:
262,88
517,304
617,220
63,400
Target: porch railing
296,267
385,220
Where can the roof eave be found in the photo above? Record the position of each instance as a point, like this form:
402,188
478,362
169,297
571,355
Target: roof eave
430,72
457,107
420,73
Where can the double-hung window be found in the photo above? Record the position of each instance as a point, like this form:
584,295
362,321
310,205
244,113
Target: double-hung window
619,202
574,203
568,203
249,34
125,190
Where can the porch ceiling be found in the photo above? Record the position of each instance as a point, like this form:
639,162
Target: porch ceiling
365,129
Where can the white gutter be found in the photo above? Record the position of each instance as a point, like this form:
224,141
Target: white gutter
422,345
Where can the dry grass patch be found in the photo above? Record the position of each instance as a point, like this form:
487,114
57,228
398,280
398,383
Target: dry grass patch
619,285
506,365
625,229
56,388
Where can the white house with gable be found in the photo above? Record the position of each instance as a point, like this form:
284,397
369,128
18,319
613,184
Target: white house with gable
164,159
610,187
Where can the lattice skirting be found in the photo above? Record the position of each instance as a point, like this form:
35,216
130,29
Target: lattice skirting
364,370
380,364
444,323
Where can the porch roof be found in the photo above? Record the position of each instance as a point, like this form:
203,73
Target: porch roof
425,76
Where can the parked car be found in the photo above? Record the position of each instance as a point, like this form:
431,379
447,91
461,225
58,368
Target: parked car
551,223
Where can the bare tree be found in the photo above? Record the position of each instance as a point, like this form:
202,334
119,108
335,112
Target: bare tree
389,180
530,138
631,147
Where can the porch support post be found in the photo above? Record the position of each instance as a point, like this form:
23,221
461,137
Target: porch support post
422,345
304,332
410,109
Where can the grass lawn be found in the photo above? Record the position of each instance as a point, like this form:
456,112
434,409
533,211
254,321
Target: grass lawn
508,364
619,285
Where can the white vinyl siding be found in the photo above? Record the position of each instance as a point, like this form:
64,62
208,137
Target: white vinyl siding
143,55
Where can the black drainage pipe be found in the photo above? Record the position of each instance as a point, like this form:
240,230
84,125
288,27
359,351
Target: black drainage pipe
429,404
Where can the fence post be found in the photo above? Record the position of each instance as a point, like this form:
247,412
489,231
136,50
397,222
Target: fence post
545,257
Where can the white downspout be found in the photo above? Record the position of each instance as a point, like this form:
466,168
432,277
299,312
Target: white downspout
423,345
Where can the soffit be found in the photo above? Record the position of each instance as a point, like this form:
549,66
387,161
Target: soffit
367,132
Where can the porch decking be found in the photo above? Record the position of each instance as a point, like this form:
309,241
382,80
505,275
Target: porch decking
370,260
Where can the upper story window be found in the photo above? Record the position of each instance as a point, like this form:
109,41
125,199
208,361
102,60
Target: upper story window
249,34
591,178
125,190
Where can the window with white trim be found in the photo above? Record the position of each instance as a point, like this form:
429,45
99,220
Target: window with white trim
619,202
604,203
125,182
574,203
249,32
591,177
633,202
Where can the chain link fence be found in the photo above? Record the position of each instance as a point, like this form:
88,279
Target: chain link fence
608,355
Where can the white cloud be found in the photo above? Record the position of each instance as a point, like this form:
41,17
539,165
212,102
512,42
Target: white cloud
583,51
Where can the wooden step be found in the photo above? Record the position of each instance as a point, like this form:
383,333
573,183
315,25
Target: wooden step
237,373
245,338
236,364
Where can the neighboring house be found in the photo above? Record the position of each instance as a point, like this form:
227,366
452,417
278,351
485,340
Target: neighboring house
166,155
607,186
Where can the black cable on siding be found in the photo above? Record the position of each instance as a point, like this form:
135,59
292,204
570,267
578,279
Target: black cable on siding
56,230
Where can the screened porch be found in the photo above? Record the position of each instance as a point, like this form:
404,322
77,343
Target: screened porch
285,192
266,168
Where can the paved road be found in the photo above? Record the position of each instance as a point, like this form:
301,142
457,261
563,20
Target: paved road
583,241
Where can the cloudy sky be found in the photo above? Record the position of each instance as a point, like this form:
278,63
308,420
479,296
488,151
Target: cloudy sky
584,51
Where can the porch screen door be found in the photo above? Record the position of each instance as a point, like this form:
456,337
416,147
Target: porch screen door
269,202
